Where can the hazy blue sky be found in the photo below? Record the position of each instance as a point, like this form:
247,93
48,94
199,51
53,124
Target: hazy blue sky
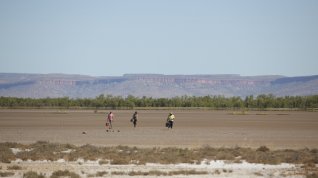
103,38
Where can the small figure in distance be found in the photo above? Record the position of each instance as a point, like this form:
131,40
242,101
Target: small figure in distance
134,119
170,120
110,118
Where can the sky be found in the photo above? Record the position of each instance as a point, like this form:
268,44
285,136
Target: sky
116,37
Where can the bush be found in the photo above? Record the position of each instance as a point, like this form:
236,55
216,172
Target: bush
6,155
64,173
118,173
101,174
262,149
101,162
312,175
6,174
32,174
187,172
87,152
14,167
43,150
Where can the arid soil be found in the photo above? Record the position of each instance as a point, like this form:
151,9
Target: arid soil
193,128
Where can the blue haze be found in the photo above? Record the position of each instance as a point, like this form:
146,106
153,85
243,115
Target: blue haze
105,38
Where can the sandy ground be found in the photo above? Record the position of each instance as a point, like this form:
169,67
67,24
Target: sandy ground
275,129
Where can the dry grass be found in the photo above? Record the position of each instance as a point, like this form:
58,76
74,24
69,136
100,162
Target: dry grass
101,174
262,113
120,173
6,155
32,174
6,174
187,172
43,150
138,173
101,162
282,114
150,173
14,167
64,173
98,174
132,155
262,149
217,172
310,170
239,113
258,174
312,175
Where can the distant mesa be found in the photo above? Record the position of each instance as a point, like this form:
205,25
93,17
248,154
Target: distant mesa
153,85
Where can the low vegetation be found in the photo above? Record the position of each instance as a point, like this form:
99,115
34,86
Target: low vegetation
312,175
65,173
32,174
14,167
133,155
109,101
6,174
6,155
101,173
118,173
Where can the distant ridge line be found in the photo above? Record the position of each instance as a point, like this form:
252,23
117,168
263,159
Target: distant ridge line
154,85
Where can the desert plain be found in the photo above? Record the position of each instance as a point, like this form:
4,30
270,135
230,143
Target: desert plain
192,128
277,130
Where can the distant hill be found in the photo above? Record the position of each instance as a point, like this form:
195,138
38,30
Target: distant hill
153,85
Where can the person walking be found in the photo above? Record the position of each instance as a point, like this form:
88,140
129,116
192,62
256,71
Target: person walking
170,120
134,119
110,118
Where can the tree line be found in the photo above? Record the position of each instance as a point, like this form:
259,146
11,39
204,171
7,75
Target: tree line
130,102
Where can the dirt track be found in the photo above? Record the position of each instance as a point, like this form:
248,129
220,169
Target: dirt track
275,129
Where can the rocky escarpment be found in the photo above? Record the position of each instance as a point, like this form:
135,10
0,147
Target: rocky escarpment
153,85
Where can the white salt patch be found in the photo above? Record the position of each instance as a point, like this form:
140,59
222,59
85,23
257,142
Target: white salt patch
246,165
134,162
60,161
221,164
17,150
68,151
65,151
17,161
93,162
42,161
80,160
